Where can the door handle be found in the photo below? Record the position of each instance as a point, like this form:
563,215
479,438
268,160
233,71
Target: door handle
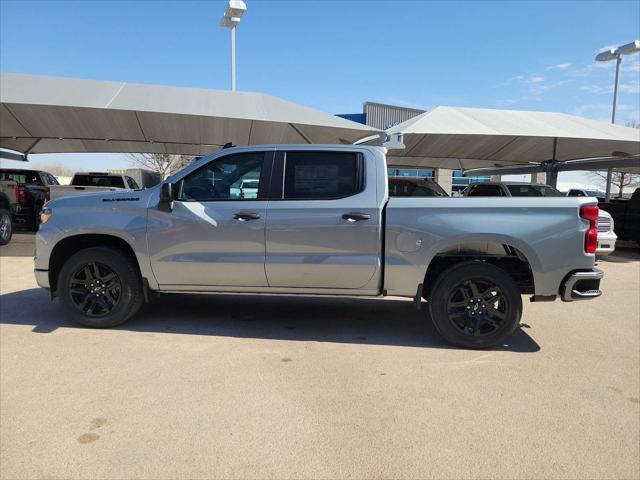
244,216
356,216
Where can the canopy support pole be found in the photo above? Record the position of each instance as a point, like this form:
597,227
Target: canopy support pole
607,196
552,173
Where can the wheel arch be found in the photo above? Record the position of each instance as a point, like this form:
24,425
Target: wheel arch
73,244
4,202
511,254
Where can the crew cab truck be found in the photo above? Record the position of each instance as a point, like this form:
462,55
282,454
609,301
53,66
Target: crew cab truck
32,193
320,222
83,183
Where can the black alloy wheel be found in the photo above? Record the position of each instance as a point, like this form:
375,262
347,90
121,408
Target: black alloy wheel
95,289
477,307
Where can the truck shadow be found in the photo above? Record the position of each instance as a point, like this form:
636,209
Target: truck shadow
625,252
390,321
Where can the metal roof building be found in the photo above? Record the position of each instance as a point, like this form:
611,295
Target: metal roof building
382,115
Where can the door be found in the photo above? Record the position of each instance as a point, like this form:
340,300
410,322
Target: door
214,236
323,225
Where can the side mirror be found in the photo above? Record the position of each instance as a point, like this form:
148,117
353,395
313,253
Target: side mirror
166,197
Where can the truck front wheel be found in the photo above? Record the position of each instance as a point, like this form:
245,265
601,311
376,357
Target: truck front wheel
6,227
100,287
475,305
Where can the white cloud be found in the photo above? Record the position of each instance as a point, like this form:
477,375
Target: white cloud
506,102
629,87
596,109
528,78
596,89
559,66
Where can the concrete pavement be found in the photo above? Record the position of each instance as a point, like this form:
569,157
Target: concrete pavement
288,387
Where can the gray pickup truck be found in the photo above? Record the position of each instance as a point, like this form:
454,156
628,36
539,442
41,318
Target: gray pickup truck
319,222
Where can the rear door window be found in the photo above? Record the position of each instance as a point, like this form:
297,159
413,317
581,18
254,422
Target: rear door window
52,180
132,183
322,175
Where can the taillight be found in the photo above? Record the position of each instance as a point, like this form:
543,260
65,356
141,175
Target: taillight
590,212
20,194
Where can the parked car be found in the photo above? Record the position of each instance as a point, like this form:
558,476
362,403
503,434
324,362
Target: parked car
8,202
32,194
245,189
626,214
322,223
510,189
92,182
414,187
606,236
581,192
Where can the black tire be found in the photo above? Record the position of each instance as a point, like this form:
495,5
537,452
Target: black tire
6,227
85,295
475,305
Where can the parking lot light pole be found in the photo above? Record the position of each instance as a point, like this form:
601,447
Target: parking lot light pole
616,54
231,20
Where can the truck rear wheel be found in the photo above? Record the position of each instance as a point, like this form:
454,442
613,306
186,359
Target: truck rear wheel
100,287
6,227
475,305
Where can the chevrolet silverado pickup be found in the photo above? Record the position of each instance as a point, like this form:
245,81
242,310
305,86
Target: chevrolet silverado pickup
320,222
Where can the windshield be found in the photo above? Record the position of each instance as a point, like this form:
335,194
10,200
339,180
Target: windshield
533,191
594,193
98,181
403,188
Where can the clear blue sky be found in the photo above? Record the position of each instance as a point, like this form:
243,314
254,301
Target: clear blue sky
334,55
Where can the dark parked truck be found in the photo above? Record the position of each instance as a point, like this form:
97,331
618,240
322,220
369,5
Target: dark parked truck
320,222
626,216
32,193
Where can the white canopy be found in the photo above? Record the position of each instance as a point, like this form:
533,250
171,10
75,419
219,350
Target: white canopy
49,114
453,137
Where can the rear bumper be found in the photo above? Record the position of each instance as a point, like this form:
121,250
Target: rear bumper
606,243
581,285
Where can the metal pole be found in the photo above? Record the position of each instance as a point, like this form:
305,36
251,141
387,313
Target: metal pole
233,58
615,89
613,120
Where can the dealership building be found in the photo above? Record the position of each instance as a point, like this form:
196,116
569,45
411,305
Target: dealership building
384,116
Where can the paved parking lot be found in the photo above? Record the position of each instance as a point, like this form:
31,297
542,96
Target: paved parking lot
255,386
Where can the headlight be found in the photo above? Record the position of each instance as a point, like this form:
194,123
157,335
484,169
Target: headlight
45,215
